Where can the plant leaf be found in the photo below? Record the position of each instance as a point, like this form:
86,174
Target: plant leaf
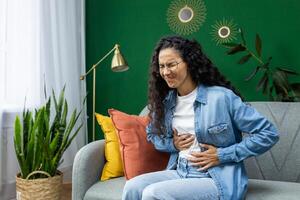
281,85
244,59
18,144
27,125
252,73
270,93
258,45
280,78
85,98
45,88
236,49
263,81
296,89
265,86
70,126
54,98
53,144
287,71
48,105
64,114
266,65
73,136
18,134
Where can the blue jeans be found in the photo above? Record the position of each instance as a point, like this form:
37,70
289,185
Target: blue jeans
183,183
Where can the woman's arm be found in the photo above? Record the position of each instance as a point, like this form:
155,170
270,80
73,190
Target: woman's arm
161,142
262,136
262,133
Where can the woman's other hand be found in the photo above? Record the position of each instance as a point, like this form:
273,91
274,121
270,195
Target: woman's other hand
182,141
205,159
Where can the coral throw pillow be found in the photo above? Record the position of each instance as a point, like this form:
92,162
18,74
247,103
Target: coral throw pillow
113,166
139,156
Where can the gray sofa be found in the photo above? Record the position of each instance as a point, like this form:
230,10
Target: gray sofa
275,175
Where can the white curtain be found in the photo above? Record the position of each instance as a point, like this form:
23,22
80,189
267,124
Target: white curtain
62,57
43,42
19,50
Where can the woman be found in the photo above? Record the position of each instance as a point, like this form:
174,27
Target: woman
198,117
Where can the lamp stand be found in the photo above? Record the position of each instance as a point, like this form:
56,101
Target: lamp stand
118,65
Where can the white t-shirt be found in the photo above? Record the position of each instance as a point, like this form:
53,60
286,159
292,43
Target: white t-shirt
184,120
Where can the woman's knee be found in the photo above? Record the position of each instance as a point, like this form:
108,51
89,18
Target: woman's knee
152,192
149,193
133,189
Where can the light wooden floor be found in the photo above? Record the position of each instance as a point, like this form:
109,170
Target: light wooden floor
67,191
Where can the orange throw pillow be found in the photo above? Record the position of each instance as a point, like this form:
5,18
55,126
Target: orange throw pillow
138,155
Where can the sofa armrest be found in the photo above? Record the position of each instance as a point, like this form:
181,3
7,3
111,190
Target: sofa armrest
88,164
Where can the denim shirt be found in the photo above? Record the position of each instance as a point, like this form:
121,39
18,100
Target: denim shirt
220,118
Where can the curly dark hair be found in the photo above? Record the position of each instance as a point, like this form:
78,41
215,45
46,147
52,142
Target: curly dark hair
200,68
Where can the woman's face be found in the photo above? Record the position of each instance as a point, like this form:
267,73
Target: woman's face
175,71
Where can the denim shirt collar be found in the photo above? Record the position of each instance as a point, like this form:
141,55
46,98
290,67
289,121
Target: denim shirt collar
170,100
201,94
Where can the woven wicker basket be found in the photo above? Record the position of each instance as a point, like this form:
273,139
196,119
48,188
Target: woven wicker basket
39,189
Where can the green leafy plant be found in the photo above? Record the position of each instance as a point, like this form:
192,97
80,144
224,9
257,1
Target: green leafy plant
39,143
274,81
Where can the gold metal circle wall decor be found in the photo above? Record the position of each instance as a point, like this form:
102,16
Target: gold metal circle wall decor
186,16
224,31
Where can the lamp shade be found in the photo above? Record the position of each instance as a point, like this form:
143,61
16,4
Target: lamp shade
118,63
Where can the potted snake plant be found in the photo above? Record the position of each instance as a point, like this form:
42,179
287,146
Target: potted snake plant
39,145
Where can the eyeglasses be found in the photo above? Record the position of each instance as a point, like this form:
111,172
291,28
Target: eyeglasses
172,66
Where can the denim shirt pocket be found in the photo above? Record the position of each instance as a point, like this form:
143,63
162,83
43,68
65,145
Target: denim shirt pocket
219,128
218,135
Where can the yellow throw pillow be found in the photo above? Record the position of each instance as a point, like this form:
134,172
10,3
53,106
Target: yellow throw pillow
113,166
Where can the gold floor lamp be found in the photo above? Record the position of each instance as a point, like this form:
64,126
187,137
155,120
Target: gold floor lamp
118,64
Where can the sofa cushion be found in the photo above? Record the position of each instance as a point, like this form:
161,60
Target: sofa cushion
257,190
272,190
108,190
138,155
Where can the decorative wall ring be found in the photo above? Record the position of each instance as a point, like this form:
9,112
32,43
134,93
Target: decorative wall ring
224,31
186,16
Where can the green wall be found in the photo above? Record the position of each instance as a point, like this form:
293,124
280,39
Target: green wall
138,24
